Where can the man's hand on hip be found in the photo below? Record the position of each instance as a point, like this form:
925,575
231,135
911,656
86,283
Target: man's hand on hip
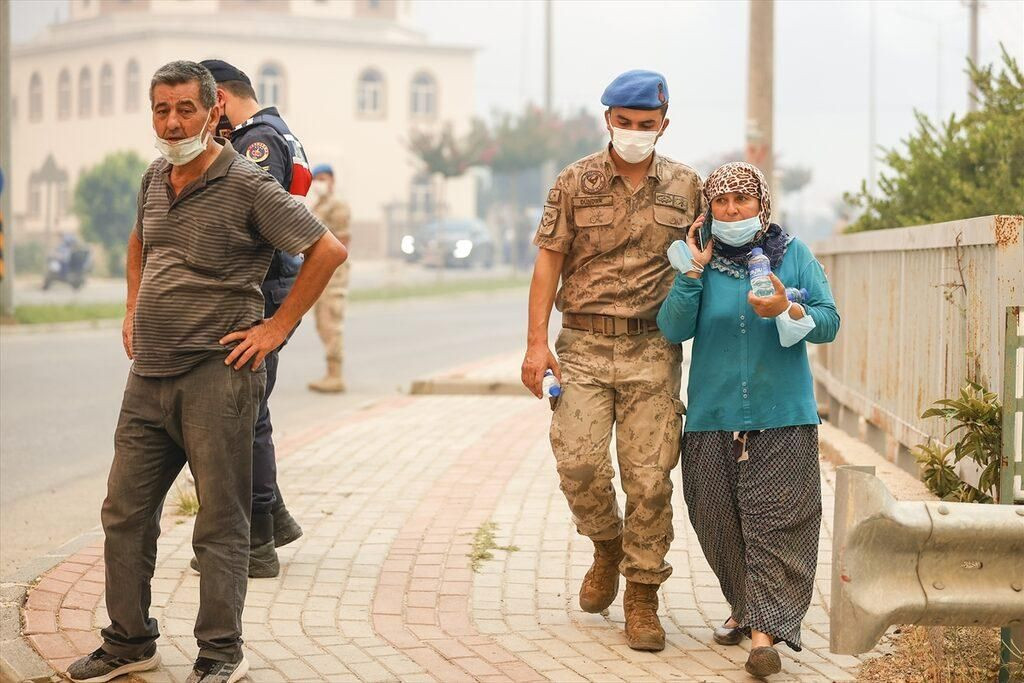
254,344
538,360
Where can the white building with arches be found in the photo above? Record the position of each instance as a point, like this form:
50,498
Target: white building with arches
352,78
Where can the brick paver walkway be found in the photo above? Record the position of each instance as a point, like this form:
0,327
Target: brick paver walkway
380,587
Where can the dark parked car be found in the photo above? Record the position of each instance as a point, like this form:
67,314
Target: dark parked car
451,242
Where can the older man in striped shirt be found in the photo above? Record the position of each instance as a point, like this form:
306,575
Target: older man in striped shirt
208,223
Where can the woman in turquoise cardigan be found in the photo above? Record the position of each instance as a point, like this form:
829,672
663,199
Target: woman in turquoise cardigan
750,446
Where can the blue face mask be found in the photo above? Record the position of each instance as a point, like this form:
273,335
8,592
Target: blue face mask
736,233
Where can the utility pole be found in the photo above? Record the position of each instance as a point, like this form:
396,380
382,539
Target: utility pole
761,68
6,243
973,7
872,108
547,56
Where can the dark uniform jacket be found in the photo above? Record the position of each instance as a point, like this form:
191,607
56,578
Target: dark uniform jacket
261,144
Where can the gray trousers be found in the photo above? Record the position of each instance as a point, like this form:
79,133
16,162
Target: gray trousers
205,417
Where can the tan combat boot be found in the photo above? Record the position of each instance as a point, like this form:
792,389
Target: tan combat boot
601,584
332,382
643,629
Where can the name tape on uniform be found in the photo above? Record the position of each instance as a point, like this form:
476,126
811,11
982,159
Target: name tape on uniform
595,200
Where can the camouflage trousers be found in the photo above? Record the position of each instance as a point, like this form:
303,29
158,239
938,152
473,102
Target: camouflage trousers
631,383
330,314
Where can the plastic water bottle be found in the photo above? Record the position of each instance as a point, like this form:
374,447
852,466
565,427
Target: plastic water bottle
760,268
550,386
797,296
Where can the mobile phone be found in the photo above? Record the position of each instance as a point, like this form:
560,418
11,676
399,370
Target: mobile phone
704,235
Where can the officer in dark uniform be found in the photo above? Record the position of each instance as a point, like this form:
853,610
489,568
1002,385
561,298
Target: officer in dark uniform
261,136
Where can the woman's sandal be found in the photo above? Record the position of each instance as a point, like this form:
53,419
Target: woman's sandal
763,661
727,635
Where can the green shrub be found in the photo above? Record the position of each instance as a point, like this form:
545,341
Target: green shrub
978,413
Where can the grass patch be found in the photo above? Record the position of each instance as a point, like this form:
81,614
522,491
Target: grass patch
36,314
187,502
437,288
483,544
933,654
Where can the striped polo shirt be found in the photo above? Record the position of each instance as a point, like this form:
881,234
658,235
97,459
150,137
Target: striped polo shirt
204,254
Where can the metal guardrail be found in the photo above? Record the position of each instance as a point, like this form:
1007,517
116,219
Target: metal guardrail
923,311
1011,485
1011,479
919,562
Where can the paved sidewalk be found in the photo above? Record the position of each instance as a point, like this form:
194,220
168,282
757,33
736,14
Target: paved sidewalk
380,587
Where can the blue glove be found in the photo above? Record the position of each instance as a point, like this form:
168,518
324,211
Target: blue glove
679,256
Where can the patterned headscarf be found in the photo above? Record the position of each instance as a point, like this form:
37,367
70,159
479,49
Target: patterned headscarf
739,176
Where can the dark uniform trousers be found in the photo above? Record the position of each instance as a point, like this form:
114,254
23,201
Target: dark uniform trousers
265,492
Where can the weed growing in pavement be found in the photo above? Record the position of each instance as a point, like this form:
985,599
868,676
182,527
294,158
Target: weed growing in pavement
187,501
483,544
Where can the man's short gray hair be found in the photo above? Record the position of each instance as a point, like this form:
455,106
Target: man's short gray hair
181,71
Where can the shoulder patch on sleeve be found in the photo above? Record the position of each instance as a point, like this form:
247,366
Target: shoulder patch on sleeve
548,220
257,152
554,196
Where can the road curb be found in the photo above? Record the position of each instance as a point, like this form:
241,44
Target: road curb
19,662
13,328
839,448
453,387
467,380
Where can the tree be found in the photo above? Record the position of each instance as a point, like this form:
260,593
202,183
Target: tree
444,154
965,167
106,204
524,141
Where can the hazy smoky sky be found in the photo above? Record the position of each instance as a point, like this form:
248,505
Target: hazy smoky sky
821,66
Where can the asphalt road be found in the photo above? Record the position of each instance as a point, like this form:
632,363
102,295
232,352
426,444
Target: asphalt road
60,394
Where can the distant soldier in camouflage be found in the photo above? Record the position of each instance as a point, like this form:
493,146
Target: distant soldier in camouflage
606,228
330,308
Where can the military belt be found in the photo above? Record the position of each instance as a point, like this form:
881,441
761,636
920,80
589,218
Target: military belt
607,325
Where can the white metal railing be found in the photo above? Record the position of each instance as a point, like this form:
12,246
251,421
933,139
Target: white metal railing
923,310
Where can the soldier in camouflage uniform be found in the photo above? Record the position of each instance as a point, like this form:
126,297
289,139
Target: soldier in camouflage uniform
607,224
330,308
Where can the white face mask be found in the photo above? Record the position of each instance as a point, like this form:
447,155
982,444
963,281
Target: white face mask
634,145
180,152
736,233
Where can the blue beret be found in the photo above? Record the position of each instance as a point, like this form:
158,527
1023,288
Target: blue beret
637,89
322,168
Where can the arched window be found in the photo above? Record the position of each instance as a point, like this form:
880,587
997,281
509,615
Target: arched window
106,90
370,93
270,86
85,92
131,86
35,97
64,95
423,96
